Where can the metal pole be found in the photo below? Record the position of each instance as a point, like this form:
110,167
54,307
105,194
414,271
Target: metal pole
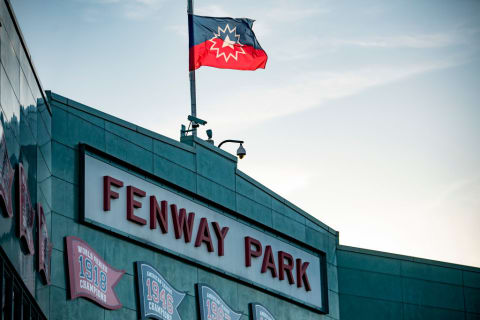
193,97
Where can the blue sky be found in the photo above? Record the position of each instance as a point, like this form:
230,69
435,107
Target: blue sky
367,115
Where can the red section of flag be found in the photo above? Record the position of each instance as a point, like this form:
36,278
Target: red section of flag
239,58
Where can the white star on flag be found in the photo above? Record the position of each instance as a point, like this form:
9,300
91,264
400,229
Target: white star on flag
236,46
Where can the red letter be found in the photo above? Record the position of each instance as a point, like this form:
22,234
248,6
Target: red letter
302,274
160,214
248,250
133,204
108,193
269,262
221,234
179,225
282,267
203,235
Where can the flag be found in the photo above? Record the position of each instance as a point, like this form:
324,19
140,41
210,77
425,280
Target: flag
226,43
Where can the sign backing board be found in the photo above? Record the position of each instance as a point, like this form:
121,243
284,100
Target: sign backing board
118,197
157,298
212,306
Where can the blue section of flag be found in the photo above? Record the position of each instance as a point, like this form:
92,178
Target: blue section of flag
205,28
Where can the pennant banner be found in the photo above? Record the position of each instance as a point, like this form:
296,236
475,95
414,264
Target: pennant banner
259,312
212,305
225,43
44,256
26,213
6,177
157,298
90,276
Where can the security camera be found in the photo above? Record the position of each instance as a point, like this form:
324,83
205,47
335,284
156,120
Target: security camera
196,121
241,152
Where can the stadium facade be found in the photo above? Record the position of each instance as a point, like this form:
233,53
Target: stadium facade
103,219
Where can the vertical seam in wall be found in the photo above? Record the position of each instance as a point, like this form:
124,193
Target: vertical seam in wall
402,278
196,171
464,302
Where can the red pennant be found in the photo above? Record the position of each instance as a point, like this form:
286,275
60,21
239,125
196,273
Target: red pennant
44,256
90,276
26,213
6,178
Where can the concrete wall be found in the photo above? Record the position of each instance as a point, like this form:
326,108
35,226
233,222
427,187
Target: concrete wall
26,125
194,165
377,285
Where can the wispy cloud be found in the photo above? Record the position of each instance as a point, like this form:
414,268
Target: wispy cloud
133,9
179,29
402,41
291,12
213,10
465,190
314,89
313,45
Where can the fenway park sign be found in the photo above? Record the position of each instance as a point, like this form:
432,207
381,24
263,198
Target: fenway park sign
125,202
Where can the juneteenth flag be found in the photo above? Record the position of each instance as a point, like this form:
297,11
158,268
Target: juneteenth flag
226,43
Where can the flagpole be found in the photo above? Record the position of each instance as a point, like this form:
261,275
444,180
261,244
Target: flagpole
193,97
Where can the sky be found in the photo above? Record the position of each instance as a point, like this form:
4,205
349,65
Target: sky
367,115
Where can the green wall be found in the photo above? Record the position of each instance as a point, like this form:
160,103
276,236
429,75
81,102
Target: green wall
377,285
44,135
192,164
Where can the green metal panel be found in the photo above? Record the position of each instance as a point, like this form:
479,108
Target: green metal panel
472,300
130,135
430,289
249,190
368,262
247,294
315,238
63,226
471,279
288,226
122,148
215,192
431,272
334,304
173,172
64,198
433,294
370,284
182,275
126,292
415,312
58,276
361,308
188,308
121,314
177,155
332,277
254,210
65,162
227,289
128,249
215,167
62,309
473,316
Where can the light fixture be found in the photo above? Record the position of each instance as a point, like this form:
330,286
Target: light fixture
241,152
